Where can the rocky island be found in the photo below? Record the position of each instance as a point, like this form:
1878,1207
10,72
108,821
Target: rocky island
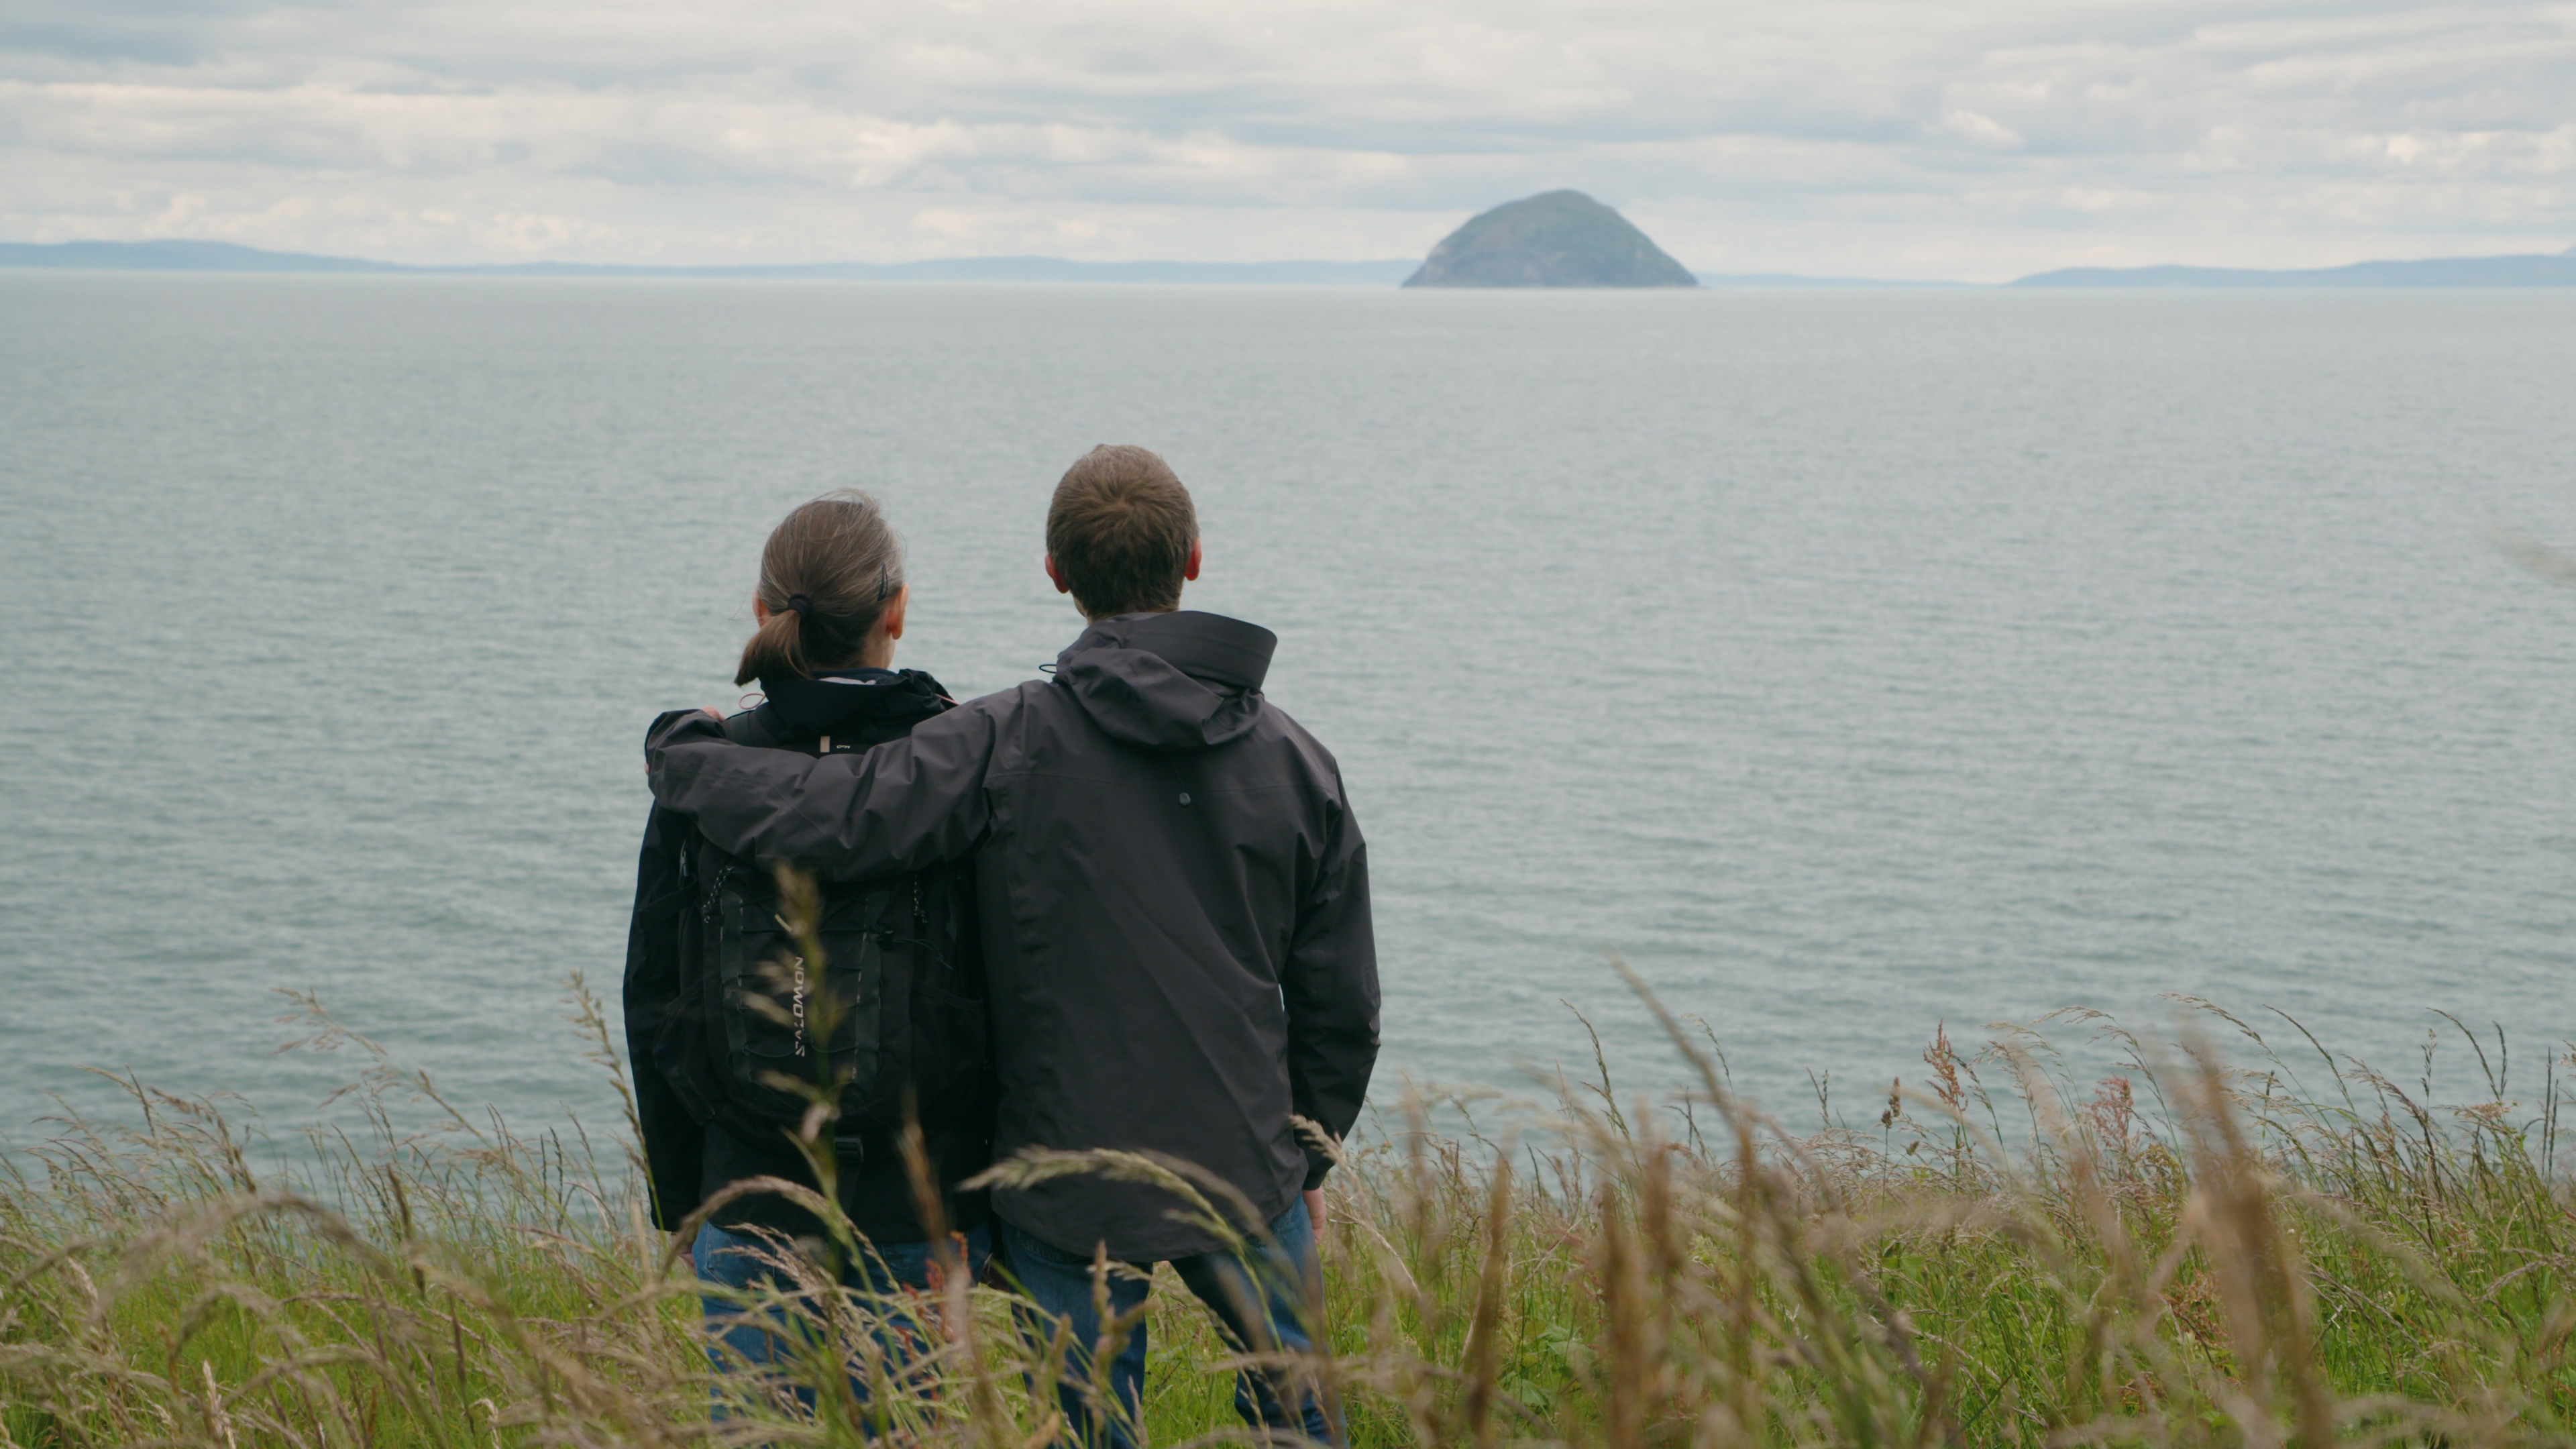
1555,239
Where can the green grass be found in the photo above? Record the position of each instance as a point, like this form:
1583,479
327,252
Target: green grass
2187,1253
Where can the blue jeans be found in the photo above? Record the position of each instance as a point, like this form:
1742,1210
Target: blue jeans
1260,1305
753,1339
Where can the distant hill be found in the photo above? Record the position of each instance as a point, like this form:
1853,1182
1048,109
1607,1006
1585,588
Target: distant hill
2523,271
177,256
199,256
1556,239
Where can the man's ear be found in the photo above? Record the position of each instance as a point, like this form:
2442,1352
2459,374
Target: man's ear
1190,570
1056,576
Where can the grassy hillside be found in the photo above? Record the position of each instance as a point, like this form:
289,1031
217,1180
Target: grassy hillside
2185,1254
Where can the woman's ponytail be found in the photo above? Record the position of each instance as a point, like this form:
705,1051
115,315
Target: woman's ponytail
826,576
775,650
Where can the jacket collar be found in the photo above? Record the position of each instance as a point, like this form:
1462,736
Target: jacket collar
1179,681
1228,653
839,700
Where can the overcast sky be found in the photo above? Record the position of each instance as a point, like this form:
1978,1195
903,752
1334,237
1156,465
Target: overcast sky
1975,138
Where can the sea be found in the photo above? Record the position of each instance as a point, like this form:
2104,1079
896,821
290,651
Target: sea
1848,665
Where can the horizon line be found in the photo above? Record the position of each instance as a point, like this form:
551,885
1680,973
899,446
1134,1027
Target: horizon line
186,254
18,254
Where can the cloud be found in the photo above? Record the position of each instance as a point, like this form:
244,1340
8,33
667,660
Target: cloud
1858,133
1971,128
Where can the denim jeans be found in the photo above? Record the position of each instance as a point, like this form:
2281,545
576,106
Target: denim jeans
1259,1302
751,1340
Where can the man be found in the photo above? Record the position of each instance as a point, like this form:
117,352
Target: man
1174,901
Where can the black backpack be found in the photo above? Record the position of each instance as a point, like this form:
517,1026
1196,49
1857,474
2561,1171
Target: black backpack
891,1019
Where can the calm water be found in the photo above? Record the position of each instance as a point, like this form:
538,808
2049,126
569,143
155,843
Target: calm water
1848,662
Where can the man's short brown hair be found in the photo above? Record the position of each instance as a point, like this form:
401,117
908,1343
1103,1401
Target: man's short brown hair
1120,529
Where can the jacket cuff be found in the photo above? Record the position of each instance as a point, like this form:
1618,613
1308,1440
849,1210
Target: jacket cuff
1317,1169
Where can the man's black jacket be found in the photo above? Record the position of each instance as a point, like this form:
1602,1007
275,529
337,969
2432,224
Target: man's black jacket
1174,898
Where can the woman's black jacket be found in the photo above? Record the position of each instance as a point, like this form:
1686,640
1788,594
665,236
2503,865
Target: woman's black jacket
702,1128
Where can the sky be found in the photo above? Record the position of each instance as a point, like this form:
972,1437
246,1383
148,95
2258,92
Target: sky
1972,139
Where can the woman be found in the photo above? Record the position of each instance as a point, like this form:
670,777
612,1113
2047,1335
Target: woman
739,1027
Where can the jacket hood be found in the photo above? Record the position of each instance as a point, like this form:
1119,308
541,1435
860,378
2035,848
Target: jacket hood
1181,681
838,701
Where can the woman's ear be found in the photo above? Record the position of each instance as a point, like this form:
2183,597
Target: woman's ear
759,610
892,622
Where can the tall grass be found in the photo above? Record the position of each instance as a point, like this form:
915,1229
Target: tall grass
2184,1253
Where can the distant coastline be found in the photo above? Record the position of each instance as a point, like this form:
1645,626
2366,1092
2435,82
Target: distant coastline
201,256
2557,270
2530,270
204,256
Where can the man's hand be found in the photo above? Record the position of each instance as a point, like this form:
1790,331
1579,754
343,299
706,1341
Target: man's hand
1315,1210
710,712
